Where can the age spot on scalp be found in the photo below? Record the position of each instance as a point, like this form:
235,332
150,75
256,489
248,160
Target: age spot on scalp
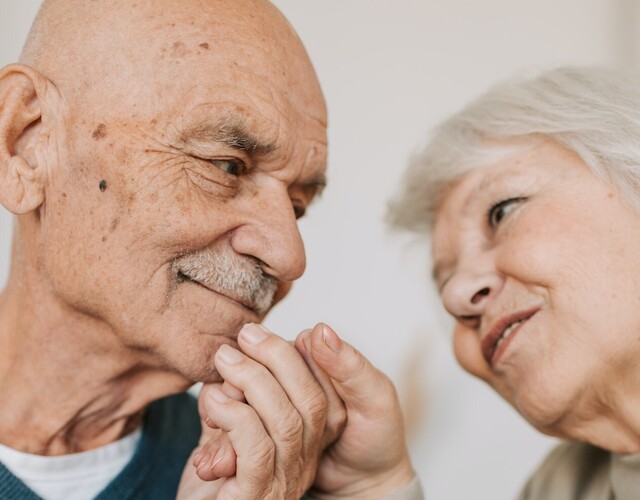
179,49
103,185
100,132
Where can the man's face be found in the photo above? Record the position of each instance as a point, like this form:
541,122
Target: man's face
171,217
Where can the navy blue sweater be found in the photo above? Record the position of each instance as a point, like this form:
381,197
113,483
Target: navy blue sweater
170,432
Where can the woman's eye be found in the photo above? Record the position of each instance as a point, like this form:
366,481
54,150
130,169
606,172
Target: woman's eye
501,209
231,167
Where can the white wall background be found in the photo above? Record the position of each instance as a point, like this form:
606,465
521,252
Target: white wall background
390,71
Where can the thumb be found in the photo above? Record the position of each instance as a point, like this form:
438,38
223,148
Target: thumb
362,387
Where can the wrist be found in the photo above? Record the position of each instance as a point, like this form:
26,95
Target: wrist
372,486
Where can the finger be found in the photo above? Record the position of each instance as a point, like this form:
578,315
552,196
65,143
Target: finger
291,372
267,397
253,447
216,458
291,403
227,388
360,385
336,412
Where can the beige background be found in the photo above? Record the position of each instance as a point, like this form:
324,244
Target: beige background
390,71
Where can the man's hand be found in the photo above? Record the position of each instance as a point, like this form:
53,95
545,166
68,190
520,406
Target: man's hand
273,412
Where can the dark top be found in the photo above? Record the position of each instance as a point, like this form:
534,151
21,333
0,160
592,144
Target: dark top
171,430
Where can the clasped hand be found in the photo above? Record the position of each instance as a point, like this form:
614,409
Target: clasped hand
314,415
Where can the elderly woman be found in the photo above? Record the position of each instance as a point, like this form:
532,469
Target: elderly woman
532,198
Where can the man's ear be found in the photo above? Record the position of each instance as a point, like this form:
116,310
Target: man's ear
22,178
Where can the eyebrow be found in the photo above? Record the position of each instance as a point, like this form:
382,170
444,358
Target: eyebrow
315,185
231,131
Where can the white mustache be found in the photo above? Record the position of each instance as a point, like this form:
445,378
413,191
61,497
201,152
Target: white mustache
240,278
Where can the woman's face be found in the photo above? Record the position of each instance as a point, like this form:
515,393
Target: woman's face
537,259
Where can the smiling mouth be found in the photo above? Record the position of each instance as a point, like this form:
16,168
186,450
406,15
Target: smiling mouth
495,341
182,277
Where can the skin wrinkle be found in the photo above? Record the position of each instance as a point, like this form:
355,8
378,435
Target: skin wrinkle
127,310
550,265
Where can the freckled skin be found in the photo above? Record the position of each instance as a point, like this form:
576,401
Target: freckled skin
134,331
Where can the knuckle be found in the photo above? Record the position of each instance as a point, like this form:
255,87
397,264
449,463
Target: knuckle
336,421
290,428
315,408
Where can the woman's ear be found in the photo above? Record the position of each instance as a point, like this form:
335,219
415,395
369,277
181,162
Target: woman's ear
22,177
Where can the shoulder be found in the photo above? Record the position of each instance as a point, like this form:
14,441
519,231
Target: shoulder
572,470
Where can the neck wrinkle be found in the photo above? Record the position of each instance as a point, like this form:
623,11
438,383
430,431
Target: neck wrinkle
72,384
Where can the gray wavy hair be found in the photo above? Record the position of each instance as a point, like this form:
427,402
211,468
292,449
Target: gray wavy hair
593,111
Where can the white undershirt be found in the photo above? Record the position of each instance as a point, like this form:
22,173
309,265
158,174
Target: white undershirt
79,476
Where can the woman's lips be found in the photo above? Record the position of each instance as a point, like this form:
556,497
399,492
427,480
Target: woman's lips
502,332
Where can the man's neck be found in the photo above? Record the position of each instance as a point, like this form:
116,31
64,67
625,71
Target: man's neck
71,384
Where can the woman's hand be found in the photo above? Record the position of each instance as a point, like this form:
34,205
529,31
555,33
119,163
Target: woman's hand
370,458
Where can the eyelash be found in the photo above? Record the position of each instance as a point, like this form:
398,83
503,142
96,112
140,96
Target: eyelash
494,210
240,166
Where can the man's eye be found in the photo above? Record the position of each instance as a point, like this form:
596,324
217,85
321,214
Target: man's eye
231,167
501,209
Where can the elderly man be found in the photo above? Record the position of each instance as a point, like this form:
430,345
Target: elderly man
156,155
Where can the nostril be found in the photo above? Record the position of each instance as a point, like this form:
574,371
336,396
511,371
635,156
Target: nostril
478,295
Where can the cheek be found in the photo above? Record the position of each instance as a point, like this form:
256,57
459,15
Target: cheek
543,247
466,347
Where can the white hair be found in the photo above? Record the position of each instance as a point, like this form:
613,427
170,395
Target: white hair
225,272
593,111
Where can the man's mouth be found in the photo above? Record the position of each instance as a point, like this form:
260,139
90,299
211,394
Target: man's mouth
496,341
227,294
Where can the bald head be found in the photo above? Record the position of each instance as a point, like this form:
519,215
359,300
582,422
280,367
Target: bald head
132,50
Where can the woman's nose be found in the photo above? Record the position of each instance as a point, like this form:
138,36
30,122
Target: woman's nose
467,294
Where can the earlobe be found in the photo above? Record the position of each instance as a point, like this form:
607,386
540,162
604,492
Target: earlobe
22,178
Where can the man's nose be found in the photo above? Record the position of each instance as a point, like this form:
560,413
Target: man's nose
272,236
468,292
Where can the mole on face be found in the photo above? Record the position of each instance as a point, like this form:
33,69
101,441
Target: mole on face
205,46
103,185
100,132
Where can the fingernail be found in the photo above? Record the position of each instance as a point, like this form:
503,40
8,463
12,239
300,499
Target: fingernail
331,340
204,463
204,459
229,355
197,458
254,333
306,340
218,396
218,457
